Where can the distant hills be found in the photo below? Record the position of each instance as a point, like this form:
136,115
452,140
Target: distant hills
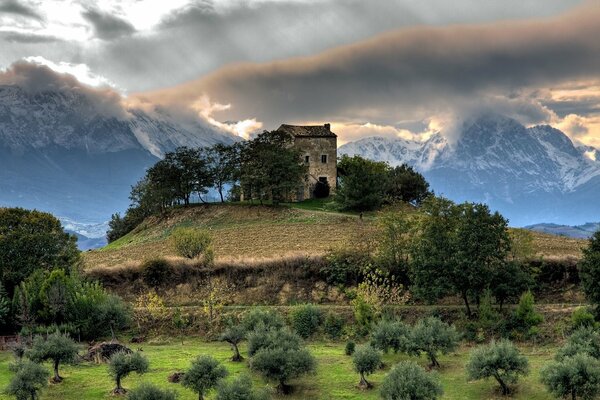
528,174
584,231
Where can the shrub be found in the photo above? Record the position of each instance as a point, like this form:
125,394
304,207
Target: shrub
577,377
191,243
344,266
155,272
259,339
306,320
525,318
148,391
29,379
333,326
364,314
366,360
581,317
350,348
281,364
233,335
239,388
122,364
204,374
589,271
407,380
57,348
264,319
18,350
584,340
432,336
500,360
393,335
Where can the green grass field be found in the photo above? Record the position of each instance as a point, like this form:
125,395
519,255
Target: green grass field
335,378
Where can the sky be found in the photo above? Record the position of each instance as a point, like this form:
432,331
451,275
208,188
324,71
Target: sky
394,68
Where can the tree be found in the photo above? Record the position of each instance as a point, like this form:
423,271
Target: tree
240,388
56,295
509,282
500,360
57,347
366,360
29,379
395,241
584,340
362,183
390,335
589,271
191,243
407,185
5,305
121,364
223,165
577,376
525,318
407,380
204,374
272,338
306,319
148,391
432,336
32,240
234,334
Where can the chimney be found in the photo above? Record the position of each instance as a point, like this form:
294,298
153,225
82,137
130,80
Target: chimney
328,127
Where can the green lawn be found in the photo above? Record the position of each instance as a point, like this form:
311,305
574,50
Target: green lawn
335,378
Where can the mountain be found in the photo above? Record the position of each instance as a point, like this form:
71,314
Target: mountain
584,231
529,174
68,153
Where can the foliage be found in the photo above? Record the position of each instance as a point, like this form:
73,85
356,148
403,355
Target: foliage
407,185
509,282
577,376
234,335
5,304
589,271
223,164
239,388
32,240
500,360
362,183
366,360
581,317
272,338
191,243
521,244
56,296
148,391
306,319
488,318
350,348
395,241
121,364
344,266
155,272
584,340
432,336
407,380
525,318
203,375
29,379
57,347
365,315
150,310
262,319
390,335
333,326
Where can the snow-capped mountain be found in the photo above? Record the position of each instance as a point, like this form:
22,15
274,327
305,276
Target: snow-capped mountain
65,152
529,174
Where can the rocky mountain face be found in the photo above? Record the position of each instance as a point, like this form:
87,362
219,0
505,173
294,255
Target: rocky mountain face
529,174
60,153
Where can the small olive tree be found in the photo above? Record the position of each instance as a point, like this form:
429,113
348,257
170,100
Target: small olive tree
57,347
391,335
148,391
122,364
29,379
234,335
366,360
239,388
584,340
204,374
407,380
577,377
500,360
432,336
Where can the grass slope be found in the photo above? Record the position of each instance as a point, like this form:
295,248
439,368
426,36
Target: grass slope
335,377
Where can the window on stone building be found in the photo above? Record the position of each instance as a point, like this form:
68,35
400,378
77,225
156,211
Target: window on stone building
324,158
306,159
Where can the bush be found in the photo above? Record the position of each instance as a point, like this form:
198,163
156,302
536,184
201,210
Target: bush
148,391
122,364
407,380
333,326
365,315
432,336
500,360
281,364
582,341
581,317
57,348
577,377
366,360
525,318
259,339
155,272
306,320
239,388
29,379
191,243
344,266
233,335
390,335
350,348
263,319
589,271
204,374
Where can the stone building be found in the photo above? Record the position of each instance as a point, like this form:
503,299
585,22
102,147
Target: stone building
318,147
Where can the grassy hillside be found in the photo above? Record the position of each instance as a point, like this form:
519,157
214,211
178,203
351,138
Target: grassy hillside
253,231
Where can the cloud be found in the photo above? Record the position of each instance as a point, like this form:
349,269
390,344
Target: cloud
19,9
16,37
107,26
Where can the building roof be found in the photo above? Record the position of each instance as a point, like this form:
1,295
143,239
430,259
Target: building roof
308,130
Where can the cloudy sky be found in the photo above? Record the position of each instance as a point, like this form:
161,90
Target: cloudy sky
396,68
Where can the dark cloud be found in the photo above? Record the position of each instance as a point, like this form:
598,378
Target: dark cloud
410,72
15,7
107,26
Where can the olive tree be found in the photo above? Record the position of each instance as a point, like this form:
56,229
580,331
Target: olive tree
234,335
584,340
204,374
366,360
390,335
577,377
122,364
239,388
263,319
29,379
432,336
56,348
148,391
407,380
499,360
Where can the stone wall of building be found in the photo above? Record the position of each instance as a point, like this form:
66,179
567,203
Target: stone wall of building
313,149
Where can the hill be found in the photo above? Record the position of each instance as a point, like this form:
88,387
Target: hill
253,231
584,231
